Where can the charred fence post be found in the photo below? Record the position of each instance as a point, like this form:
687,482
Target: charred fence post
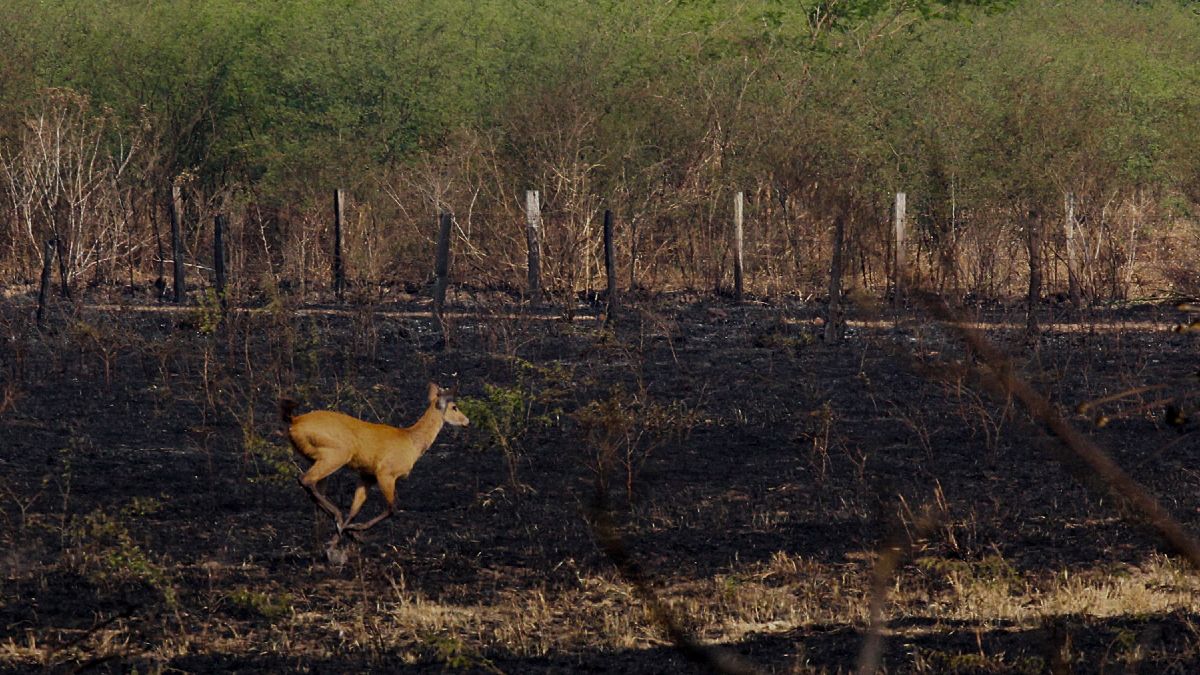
339,270
442,270
160,280
60,247
44,287
177,243
610,264
219,260
633,253
834,324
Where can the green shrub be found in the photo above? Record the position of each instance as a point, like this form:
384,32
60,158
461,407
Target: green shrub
505,417
261,603
103,549
271,463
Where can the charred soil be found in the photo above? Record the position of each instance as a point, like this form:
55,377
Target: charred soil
150,516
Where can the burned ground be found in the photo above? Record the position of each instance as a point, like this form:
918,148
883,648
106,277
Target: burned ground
151,518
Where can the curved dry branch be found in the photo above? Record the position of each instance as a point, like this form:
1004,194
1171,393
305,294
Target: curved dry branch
999,370
609,540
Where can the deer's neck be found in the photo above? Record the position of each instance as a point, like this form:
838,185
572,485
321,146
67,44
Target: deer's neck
424,431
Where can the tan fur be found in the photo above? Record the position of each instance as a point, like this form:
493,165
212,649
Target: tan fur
379,453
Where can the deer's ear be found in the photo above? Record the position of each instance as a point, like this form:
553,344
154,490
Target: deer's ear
433,392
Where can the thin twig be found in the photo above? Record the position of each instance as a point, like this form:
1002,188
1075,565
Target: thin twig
1042,411
898,548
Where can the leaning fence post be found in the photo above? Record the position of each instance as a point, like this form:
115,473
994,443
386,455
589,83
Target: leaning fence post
177,242
442,267
339,270
219,258
533,239
610,264
737,247
44,288
898,217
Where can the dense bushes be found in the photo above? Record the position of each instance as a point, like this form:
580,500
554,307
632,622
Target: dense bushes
660,111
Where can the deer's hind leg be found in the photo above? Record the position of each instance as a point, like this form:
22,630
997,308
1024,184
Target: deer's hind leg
311,481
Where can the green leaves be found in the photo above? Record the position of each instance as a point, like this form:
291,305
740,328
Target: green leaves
1007,98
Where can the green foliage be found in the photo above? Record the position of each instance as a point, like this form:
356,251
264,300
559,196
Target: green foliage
275,92
272,464
1029,103
103,548
505,416
261,603
208,313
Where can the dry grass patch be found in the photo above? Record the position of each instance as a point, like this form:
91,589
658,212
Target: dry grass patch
990,591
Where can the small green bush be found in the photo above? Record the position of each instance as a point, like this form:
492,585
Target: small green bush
102,548
505,417
261,603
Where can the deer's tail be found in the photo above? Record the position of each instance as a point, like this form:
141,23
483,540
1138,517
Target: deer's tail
286,407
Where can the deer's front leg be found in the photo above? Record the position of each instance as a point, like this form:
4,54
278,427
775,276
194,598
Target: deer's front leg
387,485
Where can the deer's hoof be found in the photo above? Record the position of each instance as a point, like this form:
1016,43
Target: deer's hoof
335,555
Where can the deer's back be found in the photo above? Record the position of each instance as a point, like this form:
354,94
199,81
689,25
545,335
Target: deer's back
323,434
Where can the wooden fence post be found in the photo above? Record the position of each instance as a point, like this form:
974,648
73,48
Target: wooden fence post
533,240
442,266
834,322
177,243
219,258
737,247
44,288
610,264
339,270
898,217
1072,262
160,281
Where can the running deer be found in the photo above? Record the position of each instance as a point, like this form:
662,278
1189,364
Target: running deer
379,453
